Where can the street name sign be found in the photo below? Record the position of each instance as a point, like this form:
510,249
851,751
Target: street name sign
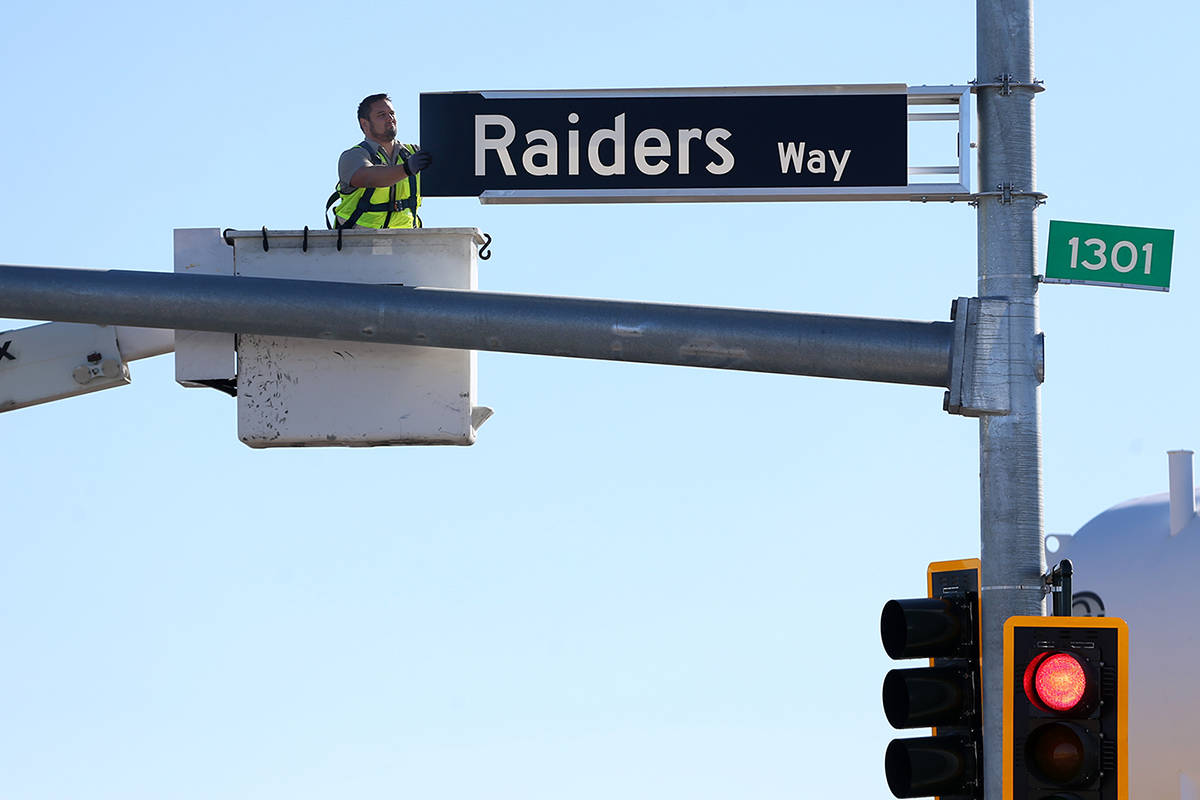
616,145
1109,255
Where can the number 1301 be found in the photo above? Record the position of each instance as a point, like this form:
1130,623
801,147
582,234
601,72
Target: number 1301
1123,257
1109,255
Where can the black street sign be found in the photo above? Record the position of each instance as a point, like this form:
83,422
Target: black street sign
663,144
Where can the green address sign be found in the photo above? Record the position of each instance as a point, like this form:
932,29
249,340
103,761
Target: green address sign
1109,255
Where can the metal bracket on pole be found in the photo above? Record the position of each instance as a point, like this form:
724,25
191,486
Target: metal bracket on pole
979,358
1006,83
1058,583
1006,192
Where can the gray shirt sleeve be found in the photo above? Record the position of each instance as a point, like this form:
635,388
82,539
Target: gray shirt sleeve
348,164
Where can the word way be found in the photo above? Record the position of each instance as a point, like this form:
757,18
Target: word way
791,155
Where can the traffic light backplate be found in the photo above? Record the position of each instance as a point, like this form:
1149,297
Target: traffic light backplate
1066,708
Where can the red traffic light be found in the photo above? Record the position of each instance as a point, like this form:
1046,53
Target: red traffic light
1060,682
1066,708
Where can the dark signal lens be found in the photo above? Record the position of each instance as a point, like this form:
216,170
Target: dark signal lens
1062,754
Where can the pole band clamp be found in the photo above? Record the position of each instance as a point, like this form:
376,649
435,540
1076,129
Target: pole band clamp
1006,83
1006,192
1018,587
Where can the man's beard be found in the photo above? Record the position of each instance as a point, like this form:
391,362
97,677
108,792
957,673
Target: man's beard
386,135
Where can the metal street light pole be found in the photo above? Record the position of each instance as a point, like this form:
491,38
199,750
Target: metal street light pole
1010,450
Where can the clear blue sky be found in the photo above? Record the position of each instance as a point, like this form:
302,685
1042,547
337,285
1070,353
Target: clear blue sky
642,582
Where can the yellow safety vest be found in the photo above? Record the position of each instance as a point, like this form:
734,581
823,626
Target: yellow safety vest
392,206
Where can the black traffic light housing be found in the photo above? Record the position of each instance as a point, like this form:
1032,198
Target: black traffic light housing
1066,708
943,627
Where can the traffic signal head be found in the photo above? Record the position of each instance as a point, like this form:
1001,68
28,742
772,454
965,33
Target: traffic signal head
944,628
1065,708
928,627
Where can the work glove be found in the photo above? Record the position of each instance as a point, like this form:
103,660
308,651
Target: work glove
418,161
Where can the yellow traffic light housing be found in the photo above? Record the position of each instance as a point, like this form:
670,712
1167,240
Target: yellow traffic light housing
943,627
1066,708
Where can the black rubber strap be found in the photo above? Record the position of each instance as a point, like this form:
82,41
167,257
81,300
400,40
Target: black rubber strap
391,206
352,220
410,202
328,205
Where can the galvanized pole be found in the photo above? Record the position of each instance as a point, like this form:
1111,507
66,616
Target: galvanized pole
1010,450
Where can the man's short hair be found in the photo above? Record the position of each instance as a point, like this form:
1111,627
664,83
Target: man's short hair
364,108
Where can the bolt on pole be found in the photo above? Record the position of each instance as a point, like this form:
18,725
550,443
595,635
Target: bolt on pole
1010,450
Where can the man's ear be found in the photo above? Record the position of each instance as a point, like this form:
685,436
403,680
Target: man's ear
362,123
